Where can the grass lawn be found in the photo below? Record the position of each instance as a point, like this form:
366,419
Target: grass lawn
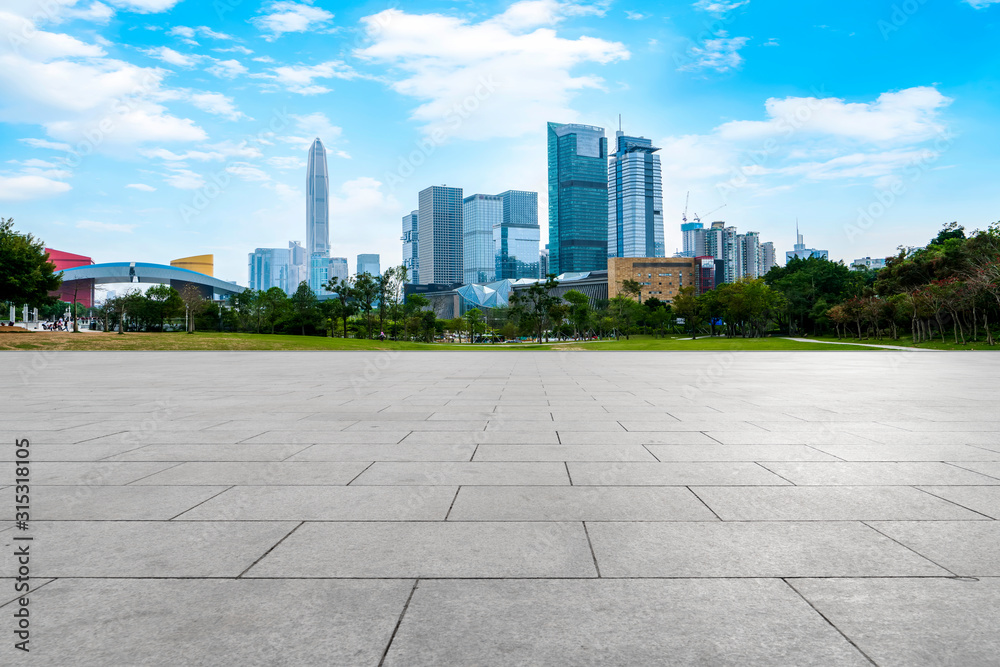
247,341
907,341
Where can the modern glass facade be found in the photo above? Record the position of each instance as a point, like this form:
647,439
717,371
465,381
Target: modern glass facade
369,264
635,199
317,202
268,267
720,243
481,215
439,224
411,247
516,238
693,236
578,198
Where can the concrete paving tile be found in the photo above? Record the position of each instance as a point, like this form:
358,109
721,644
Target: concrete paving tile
209,453
759,549
615,622
326,503
876,473
424,425
910,453
545,436
258,426
400,452
670,474
966,548
984,499
965,426
178,437
116,503
459,473
86,473
912,622
738,453
990,467
562,425
563,453
431,549
256,473
354,414
164,622
578,503
149,548
955,437
81,452
634,425
829,503
327,437
788,438
799,426
639,438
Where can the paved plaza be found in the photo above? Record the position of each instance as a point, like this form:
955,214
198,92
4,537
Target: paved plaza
505,508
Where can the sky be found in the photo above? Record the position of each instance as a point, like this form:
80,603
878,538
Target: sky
147,130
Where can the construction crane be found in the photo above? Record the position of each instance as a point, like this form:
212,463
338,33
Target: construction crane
697,219
684,216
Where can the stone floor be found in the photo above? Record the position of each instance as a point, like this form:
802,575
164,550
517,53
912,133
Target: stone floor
506,507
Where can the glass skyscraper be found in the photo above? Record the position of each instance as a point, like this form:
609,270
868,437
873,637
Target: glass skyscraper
411,247
268,267
439,224
317,202
578,198
516,238
369,264
481,215
635,199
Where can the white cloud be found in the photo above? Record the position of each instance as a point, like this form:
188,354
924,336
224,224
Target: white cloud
981,4
636,16
356,204
236,48
185,33
247,171
291,162
184,179
171,57
95,226
902,116
310,127
299,78
217,104
278,18
264,59
720,54
214,152
719,7
141,186
343,154
773,41
42,143
226,69
27,187
504,76
145,6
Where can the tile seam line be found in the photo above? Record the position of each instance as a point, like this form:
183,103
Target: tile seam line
273,547
829,622
905,546
590,544
957,504
214,495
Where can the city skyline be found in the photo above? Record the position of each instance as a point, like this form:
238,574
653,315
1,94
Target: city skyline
178,128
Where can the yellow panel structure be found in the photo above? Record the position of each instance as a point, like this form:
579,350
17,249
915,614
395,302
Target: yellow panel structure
200,263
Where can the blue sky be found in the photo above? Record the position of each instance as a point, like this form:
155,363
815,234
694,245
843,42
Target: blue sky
153,129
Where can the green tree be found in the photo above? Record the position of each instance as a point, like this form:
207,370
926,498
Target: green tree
579,310
193,304
366,290
304,311
344,291
26,274
164,303
687,305
632,288
274,306
474,323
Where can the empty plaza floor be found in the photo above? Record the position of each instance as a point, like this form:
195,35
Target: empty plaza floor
503,508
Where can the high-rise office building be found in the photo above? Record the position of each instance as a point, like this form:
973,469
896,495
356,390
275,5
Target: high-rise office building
411,247
543,262
516,238
801,251
720,243
298,266
481,215
338,268
578,198
768,258
439,224
267,268
635,199
693,235
317,202
369,264
748,255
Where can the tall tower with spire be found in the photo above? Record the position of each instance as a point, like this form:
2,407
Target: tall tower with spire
317,202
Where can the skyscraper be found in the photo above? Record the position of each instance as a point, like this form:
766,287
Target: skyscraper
481,214
267,268
411,247
317,202
720,243
578,198
693,236
748,255
635,199
768,258
516,238
439,222
369,264
801,251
